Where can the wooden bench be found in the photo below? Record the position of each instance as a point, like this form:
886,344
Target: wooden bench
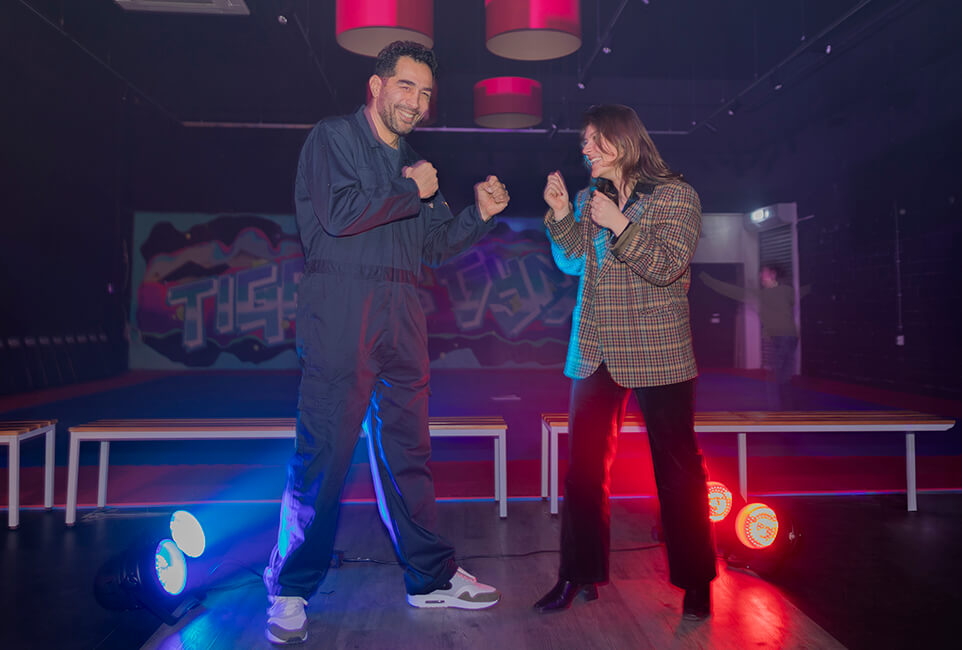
106,431
745,422
12,433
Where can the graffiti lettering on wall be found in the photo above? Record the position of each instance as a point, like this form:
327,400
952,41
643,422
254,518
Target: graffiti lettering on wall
260,300
216,292
502,303
222,292
518,291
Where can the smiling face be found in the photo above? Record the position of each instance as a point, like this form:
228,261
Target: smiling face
401,100
601,154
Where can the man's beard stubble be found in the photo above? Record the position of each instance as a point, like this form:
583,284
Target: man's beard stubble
389,118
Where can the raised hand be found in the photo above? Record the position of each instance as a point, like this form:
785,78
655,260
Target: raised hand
606,214
491,197
556,195
425,176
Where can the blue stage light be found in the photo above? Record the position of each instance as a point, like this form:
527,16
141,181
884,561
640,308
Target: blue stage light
171,567
188,534
148,574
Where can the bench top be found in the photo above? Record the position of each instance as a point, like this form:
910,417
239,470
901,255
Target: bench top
258,424
17,427
791,421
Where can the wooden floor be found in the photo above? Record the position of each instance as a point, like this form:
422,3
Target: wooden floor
361,605
867,571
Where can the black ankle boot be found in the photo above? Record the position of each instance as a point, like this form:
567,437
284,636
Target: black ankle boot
697,603
563,593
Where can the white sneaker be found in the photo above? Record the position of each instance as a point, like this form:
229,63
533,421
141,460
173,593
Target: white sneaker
463,591
286,620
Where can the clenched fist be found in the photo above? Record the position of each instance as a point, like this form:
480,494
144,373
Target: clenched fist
556,195
606,214
425,176
491,197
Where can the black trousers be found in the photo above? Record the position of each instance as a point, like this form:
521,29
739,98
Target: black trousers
780,395
596,413
362,346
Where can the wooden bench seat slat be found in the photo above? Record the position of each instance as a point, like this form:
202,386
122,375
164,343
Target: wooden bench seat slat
39,423
263,424
800,418
15,427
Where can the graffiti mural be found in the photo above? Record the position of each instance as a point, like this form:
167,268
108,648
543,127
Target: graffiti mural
214,291
221,292
503,303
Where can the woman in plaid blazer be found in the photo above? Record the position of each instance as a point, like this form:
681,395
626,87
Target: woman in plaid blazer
630,235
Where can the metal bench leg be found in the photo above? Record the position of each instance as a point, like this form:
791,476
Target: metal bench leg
48,468
497,470
501,458
743,465
553,452
73,469
544,461
13,483
913,503
102,474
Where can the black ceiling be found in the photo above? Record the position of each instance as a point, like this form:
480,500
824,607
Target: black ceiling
680,63
255,69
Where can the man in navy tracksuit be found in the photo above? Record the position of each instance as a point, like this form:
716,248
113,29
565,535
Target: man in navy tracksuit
369,213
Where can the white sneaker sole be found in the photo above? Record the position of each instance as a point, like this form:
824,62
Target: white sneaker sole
430,601
278,641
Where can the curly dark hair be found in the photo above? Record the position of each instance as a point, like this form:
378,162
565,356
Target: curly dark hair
386,62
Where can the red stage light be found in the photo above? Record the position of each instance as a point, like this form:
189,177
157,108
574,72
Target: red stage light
756,525
719,501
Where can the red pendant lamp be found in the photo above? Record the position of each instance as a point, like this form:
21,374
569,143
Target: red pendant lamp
366,26
507,102
532,30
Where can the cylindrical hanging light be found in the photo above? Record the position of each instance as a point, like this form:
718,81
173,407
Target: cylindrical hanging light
366,26
532,30
507,102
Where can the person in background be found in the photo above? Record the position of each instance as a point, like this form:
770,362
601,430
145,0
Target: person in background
775,302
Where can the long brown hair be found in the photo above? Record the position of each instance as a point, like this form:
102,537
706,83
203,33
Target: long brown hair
638,156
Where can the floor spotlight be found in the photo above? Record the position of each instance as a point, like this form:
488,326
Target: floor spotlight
719,501
187,533
763,539
149,574
756,526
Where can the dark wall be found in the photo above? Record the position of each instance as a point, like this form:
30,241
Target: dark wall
878,167
854,138
883,253
65,213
